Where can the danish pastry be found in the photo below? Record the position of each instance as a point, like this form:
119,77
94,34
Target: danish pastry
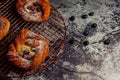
4,26
28,50
33,10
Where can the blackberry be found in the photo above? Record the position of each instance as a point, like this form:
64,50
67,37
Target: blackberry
94,25
36,4
72,18
86,43
107,41
84,16
86,33
91,14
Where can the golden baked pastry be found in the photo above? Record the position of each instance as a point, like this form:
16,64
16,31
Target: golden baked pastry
28,50
33,10
4,26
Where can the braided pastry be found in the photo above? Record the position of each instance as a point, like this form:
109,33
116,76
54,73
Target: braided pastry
28,50
33,10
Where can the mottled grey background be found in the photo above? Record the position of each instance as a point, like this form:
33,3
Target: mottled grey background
95,61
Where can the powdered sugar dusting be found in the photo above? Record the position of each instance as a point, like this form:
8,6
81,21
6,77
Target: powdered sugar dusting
31,34
30,41
42,44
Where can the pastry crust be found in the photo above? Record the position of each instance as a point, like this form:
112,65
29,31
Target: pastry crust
30,39
4,26
37,13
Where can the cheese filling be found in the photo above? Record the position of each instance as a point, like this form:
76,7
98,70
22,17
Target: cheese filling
28,52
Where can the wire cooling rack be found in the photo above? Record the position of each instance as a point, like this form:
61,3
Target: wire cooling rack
53,29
